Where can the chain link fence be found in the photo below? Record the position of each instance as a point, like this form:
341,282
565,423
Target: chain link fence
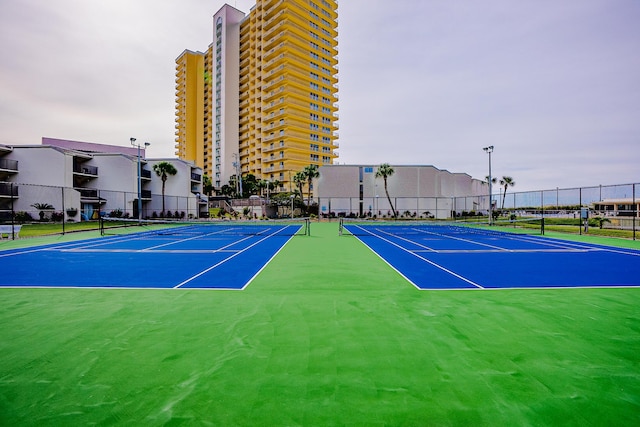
607,206
61,209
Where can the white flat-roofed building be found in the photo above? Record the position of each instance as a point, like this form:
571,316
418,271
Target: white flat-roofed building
415,190
86,180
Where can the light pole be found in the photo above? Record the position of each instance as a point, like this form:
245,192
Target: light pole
489,150
237,165
292,197
146,144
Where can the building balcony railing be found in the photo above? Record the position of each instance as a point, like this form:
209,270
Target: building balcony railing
85,169
87,193
9,165
8,190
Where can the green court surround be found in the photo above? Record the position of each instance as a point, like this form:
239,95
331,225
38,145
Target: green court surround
327,334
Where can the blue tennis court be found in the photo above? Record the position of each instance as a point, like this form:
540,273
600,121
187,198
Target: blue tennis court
455,258
210,257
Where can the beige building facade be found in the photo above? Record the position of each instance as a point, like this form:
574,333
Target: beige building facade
416,191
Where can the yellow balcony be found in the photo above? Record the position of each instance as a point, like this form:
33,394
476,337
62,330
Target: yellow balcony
273,20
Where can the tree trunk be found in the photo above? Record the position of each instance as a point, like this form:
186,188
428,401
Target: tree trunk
389,198
164,180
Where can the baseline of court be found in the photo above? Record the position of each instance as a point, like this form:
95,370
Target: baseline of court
208,262
432,261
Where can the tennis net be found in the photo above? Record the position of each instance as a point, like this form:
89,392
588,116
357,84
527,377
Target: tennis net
126,226
530,226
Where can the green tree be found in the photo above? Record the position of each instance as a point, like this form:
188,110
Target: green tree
601,221
385,171
493,180
231,190
310,173
42,207
299,178
227,190
262,185
274,185
163,170
207,185
249,185
507,181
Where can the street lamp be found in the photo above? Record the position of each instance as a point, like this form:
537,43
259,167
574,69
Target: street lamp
292,197
146,144
237,166
489,150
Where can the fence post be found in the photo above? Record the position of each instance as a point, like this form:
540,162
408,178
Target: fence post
580,202
13,214
64,219
635,211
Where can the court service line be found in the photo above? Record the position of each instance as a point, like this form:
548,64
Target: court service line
634,253
116,239
582,246
553,243
438,266
463,240
61,247
195,276
137,251
197,237
406,240
521,251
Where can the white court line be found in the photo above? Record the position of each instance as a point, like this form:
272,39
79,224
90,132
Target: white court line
201,236
162,251
585,246
266,263
545,241
63,247
446,270
195,276
522,251
115,239
407,240
461,239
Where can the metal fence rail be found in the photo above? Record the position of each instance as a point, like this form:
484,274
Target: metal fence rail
39,204
616,206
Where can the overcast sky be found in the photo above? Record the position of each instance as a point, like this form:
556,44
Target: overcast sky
553,85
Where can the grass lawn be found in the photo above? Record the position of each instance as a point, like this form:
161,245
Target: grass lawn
327,334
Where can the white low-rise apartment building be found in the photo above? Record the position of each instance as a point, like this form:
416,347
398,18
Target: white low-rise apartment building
84,181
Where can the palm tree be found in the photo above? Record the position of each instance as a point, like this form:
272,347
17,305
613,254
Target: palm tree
261,185
275,185
207,185
310,172
299,178
601,220
42,207
385,171
507,181
163,170
493,180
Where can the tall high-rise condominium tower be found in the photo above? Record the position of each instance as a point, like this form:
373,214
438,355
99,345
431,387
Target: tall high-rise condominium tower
263,99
